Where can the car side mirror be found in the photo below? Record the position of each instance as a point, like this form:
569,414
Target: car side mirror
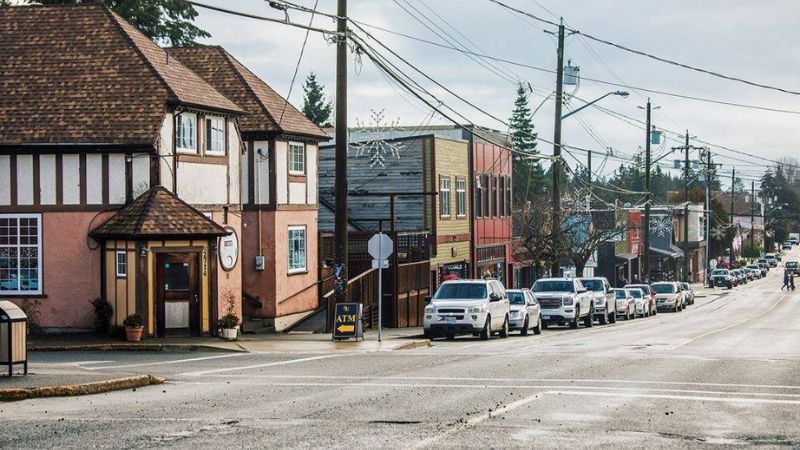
494,298
427,299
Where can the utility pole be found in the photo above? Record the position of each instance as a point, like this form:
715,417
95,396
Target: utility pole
589,169
708,216
646,222
686,213
733,189
752,216
340,221
557,152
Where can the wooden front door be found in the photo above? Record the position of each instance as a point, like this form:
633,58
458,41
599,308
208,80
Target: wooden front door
178,294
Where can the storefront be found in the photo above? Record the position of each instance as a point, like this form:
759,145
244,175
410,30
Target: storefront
490,262
453,271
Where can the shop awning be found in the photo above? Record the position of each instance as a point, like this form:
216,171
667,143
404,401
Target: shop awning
158,214
627,256
673,252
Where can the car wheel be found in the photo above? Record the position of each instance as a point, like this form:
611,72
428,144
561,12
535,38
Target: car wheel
430,336
450,336
544,324
675,308
588,321
486,332
574,322
504,331
627,314
613,317
524,330
539,325
603,319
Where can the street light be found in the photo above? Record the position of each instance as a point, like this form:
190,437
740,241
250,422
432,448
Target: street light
622,94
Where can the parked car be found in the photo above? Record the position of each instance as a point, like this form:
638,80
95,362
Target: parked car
771,259
740,277
647,292
748,274
477,307
641,302
603,300
723,278
668,295
525,314
779,256
564,301
688,291
626,305
762,262
787,245
794,238
792,267
757,271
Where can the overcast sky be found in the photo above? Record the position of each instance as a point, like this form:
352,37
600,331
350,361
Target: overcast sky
742,38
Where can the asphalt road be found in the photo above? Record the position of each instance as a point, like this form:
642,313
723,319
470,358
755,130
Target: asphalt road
724,372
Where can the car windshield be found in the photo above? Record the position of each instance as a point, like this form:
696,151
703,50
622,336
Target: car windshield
636,293
645,288
770,257
553,286
461,291
593,285
664,288
619,293
720,272
791,264
686,286
516,298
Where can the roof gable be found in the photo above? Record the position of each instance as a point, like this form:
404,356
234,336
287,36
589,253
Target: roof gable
266,109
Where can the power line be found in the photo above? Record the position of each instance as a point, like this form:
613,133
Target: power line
297,66
649,55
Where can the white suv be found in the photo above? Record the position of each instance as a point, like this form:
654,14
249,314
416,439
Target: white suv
564,301
477,307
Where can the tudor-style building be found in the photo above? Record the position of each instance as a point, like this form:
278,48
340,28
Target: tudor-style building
279,190
119,175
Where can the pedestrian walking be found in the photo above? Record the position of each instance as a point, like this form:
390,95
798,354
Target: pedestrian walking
791,280
785,280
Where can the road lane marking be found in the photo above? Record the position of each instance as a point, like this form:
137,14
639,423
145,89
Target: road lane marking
719,330
770,401
168,362
258,366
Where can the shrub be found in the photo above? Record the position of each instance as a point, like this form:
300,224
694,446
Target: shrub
134,321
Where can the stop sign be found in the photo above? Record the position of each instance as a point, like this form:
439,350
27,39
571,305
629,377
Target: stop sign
380,246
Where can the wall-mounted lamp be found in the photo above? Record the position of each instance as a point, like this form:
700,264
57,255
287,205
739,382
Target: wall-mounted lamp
143,251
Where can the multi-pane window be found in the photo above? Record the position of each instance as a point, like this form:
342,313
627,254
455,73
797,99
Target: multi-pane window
297,249
122,264
478,210
486,191
461,198
494,196
20,254
508,196
297,158
502,196
186,132
444,197
215,136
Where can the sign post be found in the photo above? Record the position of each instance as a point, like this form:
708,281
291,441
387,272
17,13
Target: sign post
380,247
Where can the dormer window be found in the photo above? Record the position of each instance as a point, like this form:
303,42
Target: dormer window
297,158
215,136
186,132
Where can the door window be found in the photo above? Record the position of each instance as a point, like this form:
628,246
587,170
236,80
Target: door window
176,276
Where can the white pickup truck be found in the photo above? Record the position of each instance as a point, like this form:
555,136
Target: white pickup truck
564,301
603,299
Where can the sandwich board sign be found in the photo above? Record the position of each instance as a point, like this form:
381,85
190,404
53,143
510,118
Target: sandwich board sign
347,321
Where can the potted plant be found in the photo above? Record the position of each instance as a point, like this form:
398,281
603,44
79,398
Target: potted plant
102,314
229,323
134,324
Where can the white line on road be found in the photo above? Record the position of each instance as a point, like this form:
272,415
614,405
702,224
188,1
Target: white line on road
257,366
719,330
163,363
771,401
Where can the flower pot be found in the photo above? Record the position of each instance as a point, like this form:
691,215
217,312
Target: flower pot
229,334
133,334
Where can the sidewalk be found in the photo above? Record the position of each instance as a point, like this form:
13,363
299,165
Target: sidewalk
393,339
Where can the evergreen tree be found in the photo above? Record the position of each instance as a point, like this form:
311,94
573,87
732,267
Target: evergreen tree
528,177
315,106
167,22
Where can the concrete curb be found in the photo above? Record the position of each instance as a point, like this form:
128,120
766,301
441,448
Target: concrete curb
133,348
422,343
69,390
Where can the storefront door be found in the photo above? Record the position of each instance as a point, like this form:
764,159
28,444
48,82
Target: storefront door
178,294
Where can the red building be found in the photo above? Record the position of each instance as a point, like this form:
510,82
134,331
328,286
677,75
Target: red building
490,166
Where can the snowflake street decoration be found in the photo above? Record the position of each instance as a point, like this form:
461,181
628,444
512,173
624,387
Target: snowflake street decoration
376,146
718,233
661,225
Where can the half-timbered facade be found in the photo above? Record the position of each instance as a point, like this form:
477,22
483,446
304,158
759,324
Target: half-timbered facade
279,190
119,175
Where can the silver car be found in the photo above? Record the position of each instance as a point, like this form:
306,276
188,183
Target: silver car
688,292
526,314
626,305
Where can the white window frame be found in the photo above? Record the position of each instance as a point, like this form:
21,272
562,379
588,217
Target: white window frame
297,269
18,246
461,197
293,170
445,208
182,134
211,139
121,273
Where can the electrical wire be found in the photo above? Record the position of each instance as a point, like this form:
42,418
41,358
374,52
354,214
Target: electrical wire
297,66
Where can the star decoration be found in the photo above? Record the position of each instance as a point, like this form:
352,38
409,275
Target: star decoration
661,225
377,147
718,233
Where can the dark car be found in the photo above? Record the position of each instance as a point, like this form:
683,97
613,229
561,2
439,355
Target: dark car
792,267
723,278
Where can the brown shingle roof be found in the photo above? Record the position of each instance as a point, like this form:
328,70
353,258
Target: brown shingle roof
80,74
158,214
263,105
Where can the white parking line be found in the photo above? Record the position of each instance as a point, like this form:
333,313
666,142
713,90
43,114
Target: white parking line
770,401
168,362
257,366
719,330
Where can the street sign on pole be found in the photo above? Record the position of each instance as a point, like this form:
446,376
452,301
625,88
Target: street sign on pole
380,247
